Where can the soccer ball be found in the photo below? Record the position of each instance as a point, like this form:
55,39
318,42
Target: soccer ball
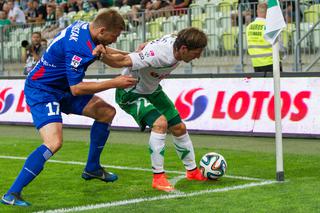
213,165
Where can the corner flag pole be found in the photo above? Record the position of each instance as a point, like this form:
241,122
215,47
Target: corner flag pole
274,25
277,110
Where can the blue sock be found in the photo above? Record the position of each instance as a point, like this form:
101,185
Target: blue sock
98,135
31,168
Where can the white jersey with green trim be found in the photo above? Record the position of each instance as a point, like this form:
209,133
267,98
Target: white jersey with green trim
155,62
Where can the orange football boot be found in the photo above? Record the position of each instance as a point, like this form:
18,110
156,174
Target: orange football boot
195,175
161,183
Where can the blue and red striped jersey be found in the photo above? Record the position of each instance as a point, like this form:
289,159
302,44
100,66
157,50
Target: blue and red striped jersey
65,61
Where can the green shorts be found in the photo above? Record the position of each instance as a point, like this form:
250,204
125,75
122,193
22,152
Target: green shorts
146,108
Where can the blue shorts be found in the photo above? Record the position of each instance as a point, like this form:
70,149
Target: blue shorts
46,107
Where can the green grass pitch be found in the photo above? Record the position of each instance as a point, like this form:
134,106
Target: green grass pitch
60,187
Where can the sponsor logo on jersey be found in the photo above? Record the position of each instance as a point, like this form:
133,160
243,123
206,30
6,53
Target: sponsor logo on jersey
75,62
46,63
141,55
159,76
191,105
6,100
150,53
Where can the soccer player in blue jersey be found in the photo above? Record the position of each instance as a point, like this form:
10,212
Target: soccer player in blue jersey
55,85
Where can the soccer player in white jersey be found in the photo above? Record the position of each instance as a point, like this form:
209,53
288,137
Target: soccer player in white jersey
149,105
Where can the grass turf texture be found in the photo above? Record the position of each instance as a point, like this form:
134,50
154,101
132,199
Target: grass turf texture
60,185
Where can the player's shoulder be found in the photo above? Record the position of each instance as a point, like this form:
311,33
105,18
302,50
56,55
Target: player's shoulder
78,38
77,33
164,41
162,45
162,48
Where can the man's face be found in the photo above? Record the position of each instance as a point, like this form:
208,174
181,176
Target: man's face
43,44
108,37
2,15
149,5
188,55
30,4
50,10
5,7
10,5
35,39
35,4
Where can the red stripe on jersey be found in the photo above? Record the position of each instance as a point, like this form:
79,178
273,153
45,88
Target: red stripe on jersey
39,73
89,45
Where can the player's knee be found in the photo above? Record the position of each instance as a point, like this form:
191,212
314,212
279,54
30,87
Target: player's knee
54,146
160,125
178,129
99,110
112,113
107,115
57,147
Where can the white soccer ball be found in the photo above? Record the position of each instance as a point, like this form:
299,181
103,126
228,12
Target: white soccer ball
213,165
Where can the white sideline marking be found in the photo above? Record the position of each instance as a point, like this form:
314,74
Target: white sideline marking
175,194
127,168
162,197
175,180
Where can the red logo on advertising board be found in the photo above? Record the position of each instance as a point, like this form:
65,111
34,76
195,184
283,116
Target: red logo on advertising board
6,100
22,105
239,103
190,108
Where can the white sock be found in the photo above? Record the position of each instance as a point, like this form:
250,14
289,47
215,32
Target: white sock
157,146
184,149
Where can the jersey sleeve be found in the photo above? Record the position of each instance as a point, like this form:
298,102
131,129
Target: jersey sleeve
150,56
77,60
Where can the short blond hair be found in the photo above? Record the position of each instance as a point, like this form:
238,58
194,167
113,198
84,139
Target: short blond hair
110,19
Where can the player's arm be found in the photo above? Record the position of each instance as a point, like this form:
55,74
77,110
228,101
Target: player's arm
86,88
111,50
112,57
76,64
116,60
135,60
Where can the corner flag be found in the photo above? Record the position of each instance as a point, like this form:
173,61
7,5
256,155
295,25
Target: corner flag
274,24
274,21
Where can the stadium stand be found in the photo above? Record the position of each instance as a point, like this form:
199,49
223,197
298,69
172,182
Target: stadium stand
316,37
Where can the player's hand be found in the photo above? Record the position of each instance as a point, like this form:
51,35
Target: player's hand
124,81
99,50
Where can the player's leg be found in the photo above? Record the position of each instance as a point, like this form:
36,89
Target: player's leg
145,114
157,150
184,149
103,114
158,124
181,139
47,119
